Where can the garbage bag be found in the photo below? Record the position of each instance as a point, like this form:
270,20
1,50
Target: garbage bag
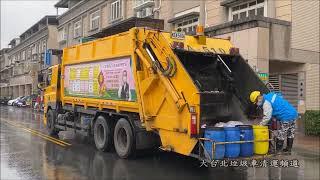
220,124
233,123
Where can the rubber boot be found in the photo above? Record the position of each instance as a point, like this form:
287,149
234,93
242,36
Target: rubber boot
289,145
279,144
271,148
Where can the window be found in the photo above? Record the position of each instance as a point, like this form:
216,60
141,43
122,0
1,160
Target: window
115,10
144,8
62,34
77,29
249,9
252,12
48,78
94,20
38,48
23,55
44,45
260,1
29,53
252,3
243,6
187,25
243,15
260,11
34,49
235,16
235,8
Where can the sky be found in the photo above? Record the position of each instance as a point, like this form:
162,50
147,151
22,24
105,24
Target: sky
17,16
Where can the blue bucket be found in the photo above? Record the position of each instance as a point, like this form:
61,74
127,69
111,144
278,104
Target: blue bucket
216,134
246,134
232,134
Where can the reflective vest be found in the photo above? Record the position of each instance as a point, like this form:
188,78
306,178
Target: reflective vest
282,110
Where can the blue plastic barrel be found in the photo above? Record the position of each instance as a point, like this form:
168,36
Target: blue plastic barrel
232,134
218,135
246,134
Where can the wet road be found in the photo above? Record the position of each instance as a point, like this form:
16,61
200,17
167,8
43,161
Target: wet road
27,153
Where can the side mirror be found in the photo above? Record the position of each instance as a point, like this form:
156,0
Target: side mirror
40,86
40,78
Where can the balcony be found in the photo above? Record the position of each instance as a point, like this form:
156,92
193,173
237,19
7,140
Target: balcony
139,4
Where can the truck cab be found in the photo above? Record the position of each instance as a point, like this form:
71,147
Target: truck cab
51,89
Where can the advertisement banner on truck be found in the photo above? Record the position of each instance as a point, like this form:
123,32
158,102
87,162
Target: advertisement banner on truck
109,79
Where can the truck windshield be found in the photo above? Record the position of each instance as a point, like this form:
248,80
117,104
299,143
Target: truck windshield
48,77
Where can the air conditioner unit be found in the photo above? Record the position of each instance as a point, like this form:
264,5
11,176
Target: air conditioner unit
149,11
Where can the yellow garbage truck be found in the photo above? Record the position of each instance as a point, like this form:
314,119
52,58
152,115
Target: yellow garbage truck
146,88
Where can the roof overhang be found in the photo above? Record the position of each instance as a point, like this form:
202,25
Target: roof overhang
188,15
129,23
62,4
230,3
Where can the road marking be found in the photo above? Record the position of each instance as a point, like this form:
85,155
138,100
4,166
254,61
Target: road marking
37,133
55,139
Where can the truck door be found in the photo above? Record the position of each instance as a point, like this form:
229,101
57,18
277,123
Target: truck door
52,87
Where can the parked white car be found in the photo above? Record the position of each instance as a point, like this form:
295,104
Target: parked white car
13,101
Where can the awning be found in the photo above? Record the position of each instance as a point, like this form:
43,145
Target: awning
188,15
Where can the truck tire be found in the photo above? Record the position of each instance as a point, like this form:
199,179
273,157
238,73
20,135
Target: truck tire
124,139
102,134
50,123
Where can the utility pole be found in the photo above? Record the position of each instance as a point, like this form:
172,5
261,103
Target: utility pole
200,27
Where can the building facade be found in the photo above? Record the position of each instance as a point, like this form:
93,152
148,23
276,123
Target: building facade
279,39
25,58
4,71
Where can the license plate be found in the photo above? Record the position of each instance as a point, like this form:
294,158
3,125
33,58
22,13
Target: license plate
178,35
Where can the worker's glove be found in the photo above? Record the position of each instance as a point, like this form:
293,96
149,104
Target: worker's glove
262,123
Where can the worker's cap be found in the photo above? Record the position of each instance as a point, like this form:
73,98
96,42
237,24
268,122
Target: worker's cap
254,95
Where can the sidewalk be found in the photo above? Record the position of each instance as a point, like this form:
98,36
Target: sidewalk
308,144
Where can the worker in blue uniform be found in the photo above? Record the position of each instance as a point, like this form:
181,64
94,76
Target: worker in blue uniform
274,105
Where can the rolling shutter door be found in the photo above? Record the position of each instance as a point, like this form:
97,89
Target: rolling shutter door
289,88
274,81
287,84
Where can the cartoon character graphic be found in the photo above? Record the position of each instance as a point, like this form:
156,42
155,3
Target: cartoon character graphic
124,89
102,87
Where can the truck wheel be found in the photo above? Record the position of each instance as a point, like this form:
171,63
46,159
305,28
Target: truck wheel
124,139
102,134
50,123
